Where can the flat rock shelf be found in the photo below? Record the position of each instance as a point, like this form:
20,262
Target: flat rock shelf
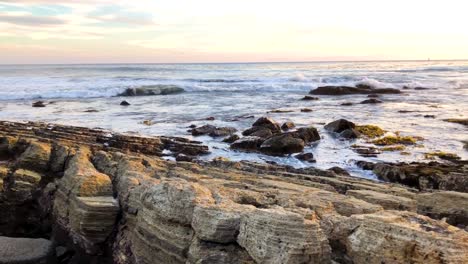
92,196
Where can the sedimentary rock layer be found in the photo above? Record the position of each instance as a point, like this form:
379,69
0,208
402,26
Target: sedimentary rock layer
105,202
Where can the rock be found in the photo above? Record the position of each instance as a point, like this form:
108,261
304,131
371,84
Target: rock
26,251
250,143
399,237
429,116
182,157
279,111
453,206
366,151
203,130
340,125
211,118
373,96
307,134
339,171
387,201
309,157
38,104
222,132
306,110
276,236
124,103
282,145
346,104
371,101
345,90
36,157
310,98
350,134
267,122
152,90
215,253
370,131
192,126
288,126
460,121
259,132
231,139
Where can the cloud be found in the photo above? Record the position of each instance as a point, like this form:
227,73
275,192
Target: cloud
123,19
28,20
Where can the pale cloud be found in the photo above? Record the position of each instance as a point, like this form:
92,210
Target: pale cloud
27,20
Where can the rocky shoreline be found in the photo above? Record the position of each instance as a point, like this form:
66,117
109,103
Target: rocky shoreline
79,195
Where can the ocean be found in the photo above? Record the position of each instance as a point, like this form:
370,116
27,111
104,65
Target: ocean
86,95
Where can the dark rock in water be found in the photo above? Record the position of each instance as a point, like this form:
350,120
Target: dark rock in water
373,96
124,103
421,88
307,134
210,118
346,104
250,143
91,111
26,251
222,132
306,110
278,111
339,125
309,157
288,126
267,123
429,116
366,151
263,133
346,90
371,101
38,104
183,157
152,90
282,145
339,171
461,121
310,98
231,138
192,126
203,130
350,133
466,145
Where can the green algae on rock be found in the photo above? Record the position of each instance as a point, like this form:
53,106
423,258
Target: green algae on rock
442,155
397,140
370,131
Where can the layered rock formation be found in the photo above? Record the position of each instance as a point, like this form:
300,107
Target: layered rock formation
103,202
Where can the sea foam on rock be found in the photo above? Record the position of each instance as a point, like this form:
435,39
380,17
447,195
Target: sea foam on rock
152,90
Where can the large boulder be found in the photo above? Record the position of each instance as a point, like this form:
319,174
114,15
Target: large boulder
339,125
250,143
282,145
269,123
152,90
35,157
307,134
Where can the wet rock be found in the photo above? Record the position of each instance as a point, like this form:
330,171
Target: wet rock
346,90
262,133
306,110
282,145
307,134
192,126
309,157
429,116
346,104
203,130
183,157
38,104
366,151
339,126
222,132
231,138
371,101
211,118
152,90
269,123
350,134
310,98
249,143
26,251
288,126
124,103
339,171
460,121
278,111
373,96
370,131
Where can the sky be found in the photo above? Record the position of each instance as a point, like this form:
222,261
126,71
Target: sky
155,31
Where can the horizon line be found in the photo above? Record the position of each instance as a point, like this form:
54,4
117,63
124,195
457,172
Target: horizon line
233,62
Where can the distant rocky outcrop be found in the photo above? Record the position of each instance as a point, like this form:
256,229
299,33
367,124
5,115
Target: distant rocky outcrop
358,89
152,90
